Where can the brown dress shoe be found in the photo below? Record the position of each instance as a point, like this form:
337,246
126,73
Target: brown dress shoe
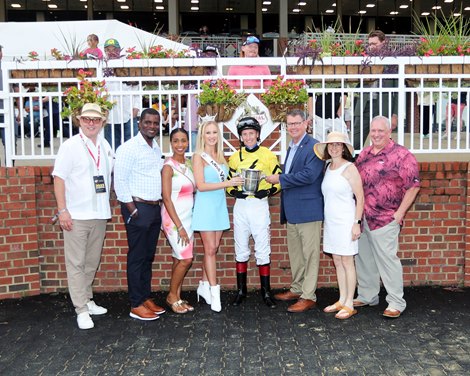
288,295
142,313
149,304
392,313
302,305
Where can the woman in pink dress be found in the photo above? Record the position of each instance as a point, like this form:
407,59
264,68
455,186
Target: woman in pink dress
178,189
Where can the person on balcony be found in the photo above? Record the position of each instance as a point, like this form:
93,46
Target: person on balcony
385,102
210,215
426,107
82,183
455,111
32,110
250,48
127,107
93,52
390,178
138,185
302,210
251,211
16,118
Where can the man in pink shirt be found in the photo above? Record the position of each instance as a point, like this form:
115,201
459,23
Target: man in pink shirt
390,178
250,48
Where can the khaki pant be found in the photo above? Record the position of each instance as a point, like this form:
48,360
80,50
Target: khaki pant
377,259
303,243
83,246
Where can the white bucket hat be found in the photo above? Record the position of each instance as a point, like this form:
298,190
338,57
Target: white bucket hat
332,137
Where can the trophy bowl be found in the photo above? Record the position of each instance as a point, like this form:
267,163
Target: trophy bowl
251,178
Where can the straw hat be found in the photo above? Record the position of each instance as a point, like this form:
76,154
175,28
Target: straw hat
332,137
92,109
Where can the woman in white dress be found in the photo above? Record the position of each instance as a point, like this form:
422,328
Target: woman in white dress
344,204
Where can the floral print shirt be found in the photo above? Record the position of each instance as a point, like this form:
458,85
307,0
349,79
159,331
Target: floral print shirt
386,176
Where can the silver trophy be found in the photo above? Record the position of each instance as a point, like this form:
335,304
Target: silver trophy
251,178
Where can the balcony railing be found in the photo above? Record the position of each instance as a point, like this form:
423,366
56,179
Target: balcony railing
419,99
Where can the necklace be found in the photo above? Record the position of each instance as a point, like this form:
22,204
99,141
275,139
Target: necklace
182,165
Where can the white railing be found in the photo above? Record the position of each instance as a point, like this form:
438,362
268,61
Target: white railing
412,93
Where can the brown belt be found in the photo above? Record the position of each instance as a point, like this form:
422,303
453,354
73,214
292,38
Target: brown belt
148,202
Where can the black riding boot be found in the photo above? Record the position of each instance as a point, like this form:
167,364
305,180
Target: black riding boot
266,291
241,289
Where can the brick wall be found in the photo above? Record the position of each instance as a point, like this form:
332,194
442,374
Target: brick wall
434,244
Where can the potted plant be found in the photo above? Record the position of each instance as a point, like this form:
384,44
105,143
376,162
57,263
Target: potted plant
442,36
160,52
219,100
283,96
86,91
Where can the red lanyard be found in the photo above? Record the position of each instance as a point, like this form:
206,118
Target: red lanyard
92,156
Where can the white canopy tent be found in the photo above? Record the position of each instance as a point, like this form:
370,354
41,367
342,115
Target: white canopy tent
20,38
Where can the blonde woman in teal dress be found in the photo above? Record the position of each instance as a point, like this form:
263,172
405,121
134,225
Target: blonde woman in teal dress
210,215
178,189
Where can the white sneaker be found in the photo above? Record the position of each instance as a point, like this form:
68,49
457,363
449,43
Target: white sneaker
84,321
95,309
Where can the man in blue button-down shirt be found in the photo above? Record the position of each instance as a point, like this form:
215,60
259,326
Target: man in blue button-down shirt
138,186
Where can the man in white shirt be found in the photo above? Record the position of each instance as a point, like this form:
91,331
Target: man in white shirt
82,181
126,107
138,186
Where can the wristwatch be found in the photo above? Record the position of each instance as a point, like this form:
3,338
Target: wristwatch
358,221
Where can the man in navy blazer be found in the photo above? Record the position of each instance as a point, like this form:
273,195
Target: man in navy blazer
302,210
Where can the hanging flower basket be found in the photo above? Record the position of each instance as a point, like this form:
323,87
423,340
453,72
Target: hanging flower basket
221,112
218,99
87,91
283,96
279,111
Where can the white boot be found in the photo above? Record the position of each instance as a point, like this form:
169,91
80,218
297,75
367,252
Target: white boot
215,298
204,291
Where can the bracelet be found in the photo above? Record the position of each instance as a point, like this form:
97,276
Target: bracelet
180,228
135,211
56,216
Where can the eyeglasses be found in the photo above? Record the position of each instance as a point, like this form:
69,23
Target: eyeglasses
89,120
295,124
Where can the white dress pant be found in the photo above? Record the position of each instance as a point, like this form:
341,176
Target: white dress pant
251,217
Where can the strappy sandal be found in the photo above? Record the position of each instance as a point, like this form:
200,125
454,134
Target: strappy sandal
177,307
333,308
345,313
186,305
